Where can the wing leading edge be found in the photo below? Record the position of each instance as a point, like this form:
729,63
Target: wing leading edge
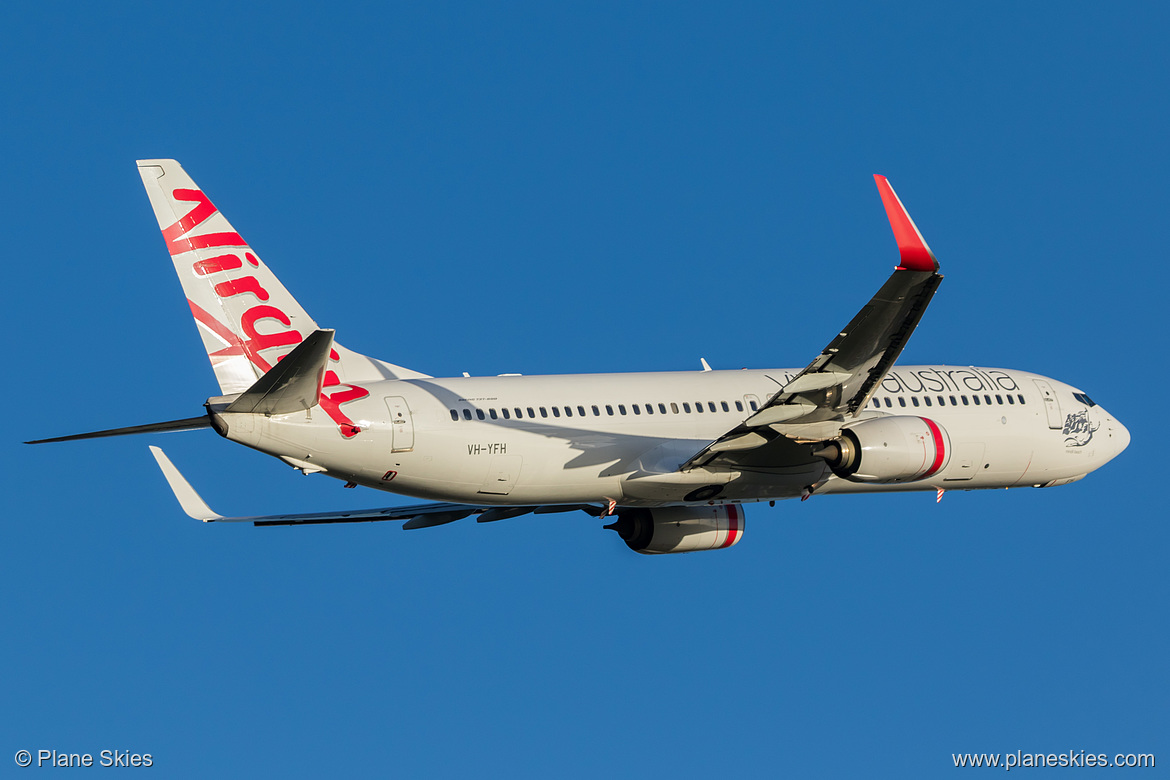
840,381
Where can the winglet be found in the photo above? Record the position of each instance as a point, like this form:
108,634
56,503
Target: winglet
192,504
916,255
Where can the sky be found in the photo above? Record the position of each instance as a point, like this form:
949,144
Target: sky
563,188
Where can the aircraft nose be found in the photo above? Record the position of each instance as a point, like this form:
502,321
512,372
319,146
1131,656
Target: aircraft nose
1118,436
1122,437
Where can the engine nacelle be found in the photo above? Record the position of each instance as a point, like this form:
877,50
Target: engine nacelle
680,529
888,450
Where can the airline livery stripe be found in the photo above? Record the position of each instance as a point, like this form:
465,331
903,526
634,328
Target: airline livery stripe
733,525
939,447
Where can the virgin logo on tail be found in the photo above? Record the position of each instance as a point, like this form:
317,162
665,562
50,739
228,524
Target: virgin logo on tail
254,341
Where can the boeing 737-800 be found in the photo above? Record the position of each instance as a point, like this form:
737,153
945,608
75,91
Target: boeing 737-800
670,458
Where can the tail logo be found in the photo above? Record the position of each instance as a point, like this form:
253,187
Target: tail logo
252,341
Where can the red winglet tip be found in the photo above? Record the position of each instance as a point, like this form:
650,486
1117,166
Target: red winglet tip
915,254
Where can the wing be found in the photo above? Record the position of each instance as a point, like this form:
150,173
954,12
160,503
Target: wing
416,516
839,382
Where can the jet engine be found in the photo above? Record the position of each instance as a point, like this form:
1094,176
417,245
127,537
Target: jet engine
888,450
680,529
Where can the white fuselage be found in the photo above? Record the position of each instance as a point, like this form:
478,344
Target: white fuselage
539,440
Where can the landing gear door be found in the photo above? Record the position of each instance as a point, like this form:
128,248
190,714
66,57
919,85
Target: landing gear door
1051,404
401,424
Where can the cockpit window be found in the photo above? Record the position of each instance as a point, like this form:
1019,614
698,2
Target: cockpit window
1083,398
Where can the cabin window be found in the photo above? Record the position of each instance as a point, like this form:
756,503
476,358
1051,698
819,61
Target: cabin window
596,411
556,412
739,406
889,403
636,408
673,407
649,408
581,410
1011,400
662,408
504,412
711,406
987,398
543,412
519,412
754,405
954,402
621,408
942,401
530,412
479,413
699,407
609,410
686,407
454,415
914,400
975,398
999,399
1021,397
726,408
965,401
568,411
492,414
466,414
901,401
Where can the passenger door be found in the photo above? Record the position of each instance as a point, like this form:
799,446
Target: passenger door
1051,404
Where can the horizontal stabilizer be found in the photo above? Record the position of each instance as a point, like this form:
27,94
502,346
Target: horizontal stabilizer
189,424
292,385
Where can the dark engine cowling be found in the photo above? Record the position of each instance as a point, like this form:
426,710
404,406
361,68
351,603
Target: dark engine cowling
888,450
680,529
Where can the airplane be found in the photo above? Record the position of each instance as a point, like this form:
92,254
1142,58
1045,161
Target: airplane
670,458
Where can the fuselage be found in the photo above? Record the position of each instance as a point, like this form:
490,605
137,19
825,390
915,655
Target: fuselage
569,439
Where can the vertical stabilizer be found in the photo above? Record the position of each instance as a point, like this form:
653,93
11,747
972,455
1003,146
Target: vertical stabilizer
247,319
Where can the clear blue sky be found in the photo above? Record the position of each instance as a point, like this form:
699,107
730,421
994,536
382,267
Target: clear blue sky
552,188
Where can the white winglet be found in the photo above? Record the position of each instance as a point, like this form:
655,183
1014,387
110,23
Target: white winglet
192,504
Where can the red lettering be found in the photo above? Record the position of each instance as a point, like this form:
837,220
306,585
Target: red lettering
176,234
258,341
247,284
331,403
214,265
252,259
